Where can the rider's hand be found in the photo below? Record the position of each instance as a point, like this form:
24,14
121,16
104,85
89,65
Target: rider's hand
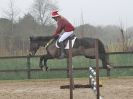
56,36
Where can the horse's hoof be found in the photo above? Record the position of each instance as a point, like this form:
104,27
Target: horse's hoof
109,67
44,68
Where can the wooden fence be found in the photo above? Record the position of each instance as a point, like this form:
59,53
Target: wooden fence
29,70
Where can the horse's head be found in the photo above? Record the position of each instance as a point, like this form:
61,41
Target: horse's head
36,42
34,45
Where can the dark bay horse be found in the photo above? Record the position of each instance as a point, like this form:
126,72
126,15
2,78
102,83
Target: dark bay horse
82,46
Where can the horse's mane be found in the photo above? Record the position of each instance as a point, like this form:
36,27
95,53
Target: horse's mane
41,38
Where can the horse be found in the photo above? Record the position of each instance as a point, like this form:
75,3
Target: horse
82,47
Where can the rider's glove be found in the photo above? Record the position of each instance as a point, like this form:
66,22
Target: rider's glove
56,36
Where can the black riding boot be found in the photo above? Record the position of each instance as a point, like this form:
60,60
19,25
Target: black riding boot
62,50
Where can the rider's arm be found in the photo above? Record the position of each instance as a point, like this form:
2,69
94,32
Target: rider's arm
59,29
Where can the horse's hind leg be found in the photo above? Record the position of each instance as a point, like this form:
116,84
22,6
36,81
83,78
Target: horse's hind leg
105,61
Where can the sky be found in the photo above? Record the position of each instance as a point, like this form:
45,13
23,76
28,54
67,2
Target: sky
94,12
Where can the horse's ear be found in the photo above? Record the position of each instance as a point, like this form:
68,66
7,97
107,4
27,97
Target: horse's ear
32,37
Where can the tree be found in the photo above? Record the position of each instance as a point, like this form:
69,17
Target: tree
5,26
11,13
83,23
26,26
125,38
41,11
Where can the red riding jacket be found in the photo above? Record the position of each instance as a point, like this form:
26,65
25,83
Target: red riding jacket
63,24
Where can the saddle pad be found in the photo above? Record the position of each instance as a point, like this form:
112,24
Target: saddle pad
67,45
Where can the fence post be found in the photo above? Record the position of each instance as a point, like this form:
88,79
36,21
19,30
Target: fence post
28,67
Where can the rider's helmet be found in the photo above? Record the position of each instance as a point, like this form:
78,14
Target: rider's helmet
54,14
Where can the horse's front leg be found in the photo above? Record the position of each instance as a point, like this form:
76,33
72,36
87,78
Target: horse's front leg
44,58
45,67
40,62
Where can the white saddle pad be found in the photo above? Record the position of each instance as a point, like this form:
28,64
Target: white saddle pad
67,45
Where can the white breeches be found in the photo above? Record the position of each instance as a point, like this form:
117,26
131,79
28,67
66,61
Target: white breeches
64,36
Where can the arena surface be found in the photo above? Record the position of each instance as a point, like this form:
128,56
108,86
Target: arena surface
113,88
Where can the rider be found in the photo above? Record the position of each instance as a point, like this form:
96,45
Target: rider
62,24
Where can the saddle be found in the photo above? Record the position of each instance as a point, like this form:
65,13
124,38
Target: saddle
66,41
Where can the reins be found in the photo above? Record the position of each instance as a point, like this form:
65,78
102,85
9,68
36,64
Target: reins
49,42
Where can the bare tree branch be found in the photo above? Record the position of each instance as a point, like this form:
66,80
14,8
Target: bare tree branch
41,10
11,14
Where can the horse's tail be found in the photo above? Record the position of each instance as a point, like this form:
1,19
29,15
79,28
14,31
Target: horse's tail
102,54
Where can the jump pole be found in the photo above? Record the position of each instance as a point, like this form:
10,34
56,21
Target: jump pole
71,86
69,63
97,68
94,74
